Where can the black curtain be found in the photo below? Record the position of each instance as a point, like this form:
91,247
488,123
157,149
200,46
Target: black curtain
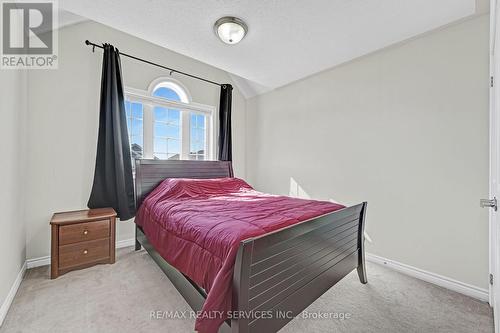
113,183
225,149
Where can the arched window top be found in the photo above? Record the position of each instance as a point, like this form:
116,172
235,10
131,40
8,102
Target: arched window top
167,93
169,89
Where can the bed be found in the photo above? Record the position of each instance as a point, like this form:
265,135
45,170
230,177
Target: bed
274,275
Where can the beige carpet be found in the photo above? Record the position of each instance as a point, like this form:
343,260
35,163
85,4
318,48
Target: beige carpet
119,298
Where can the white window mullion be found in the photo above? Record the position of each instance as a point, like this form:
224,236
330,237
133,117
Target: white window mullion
185,134
207,148
148,131
214,135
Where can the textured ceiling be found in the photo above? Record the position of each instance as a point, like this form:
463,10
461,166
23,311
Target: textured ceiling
287,40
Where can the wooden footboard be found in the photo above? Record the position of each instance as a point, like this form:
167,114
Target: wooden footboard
284,272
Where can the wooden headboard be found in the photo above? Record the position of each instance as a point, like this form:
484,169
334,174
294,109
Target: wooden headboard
150,173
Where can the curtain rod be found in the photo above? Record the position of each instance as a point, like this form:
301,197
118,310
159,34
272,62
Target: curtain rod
87,42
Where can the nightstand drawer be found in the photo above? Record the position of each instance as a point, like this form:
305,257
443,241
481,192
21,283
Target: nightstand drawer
82,232
82,253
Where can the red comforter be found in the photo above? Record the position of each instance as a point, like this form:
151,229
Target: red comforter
197,225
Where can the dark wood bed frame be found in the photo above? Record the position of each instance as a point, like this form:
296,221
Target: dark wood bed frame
281,272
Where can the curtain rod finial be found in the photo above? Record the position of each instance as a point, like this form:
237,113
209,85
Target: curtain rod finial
87,42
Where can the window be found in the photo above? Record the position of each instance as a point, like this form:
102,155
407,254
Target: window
135,128
163,123
167,133
198,137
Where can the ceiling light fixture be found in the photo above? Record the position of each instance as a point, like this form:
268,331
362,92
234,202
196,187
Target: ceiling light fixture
230,30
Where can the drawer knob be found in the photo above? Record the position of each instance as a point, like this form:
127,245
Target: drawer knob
85,251
85,232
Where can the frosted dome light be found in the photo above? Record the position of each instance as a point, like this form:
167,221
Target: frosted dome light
230,30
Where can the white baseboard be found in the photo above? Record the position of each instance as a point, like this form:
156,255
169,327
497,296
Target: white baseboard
37,262
44,261
442,281
12,293
125,243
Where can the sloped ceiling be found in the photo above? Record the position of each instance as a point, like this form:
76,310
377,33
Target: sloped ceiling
287,40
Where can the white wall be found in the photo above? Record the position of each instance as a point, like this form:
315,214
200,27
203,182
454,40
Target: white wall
405,129
63,121
12,139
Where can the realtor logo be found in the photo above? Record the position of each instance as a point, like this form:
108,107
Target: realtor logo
29,35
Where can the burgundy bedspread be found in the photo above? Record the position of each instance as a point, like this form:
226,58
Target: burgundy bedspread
197,225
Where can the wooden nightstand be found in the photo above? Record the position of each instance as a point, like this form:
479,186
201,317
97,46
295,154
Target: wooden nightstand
82,239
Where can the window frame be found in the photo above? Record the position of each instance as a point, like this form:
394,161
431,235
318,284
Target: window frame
186,108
